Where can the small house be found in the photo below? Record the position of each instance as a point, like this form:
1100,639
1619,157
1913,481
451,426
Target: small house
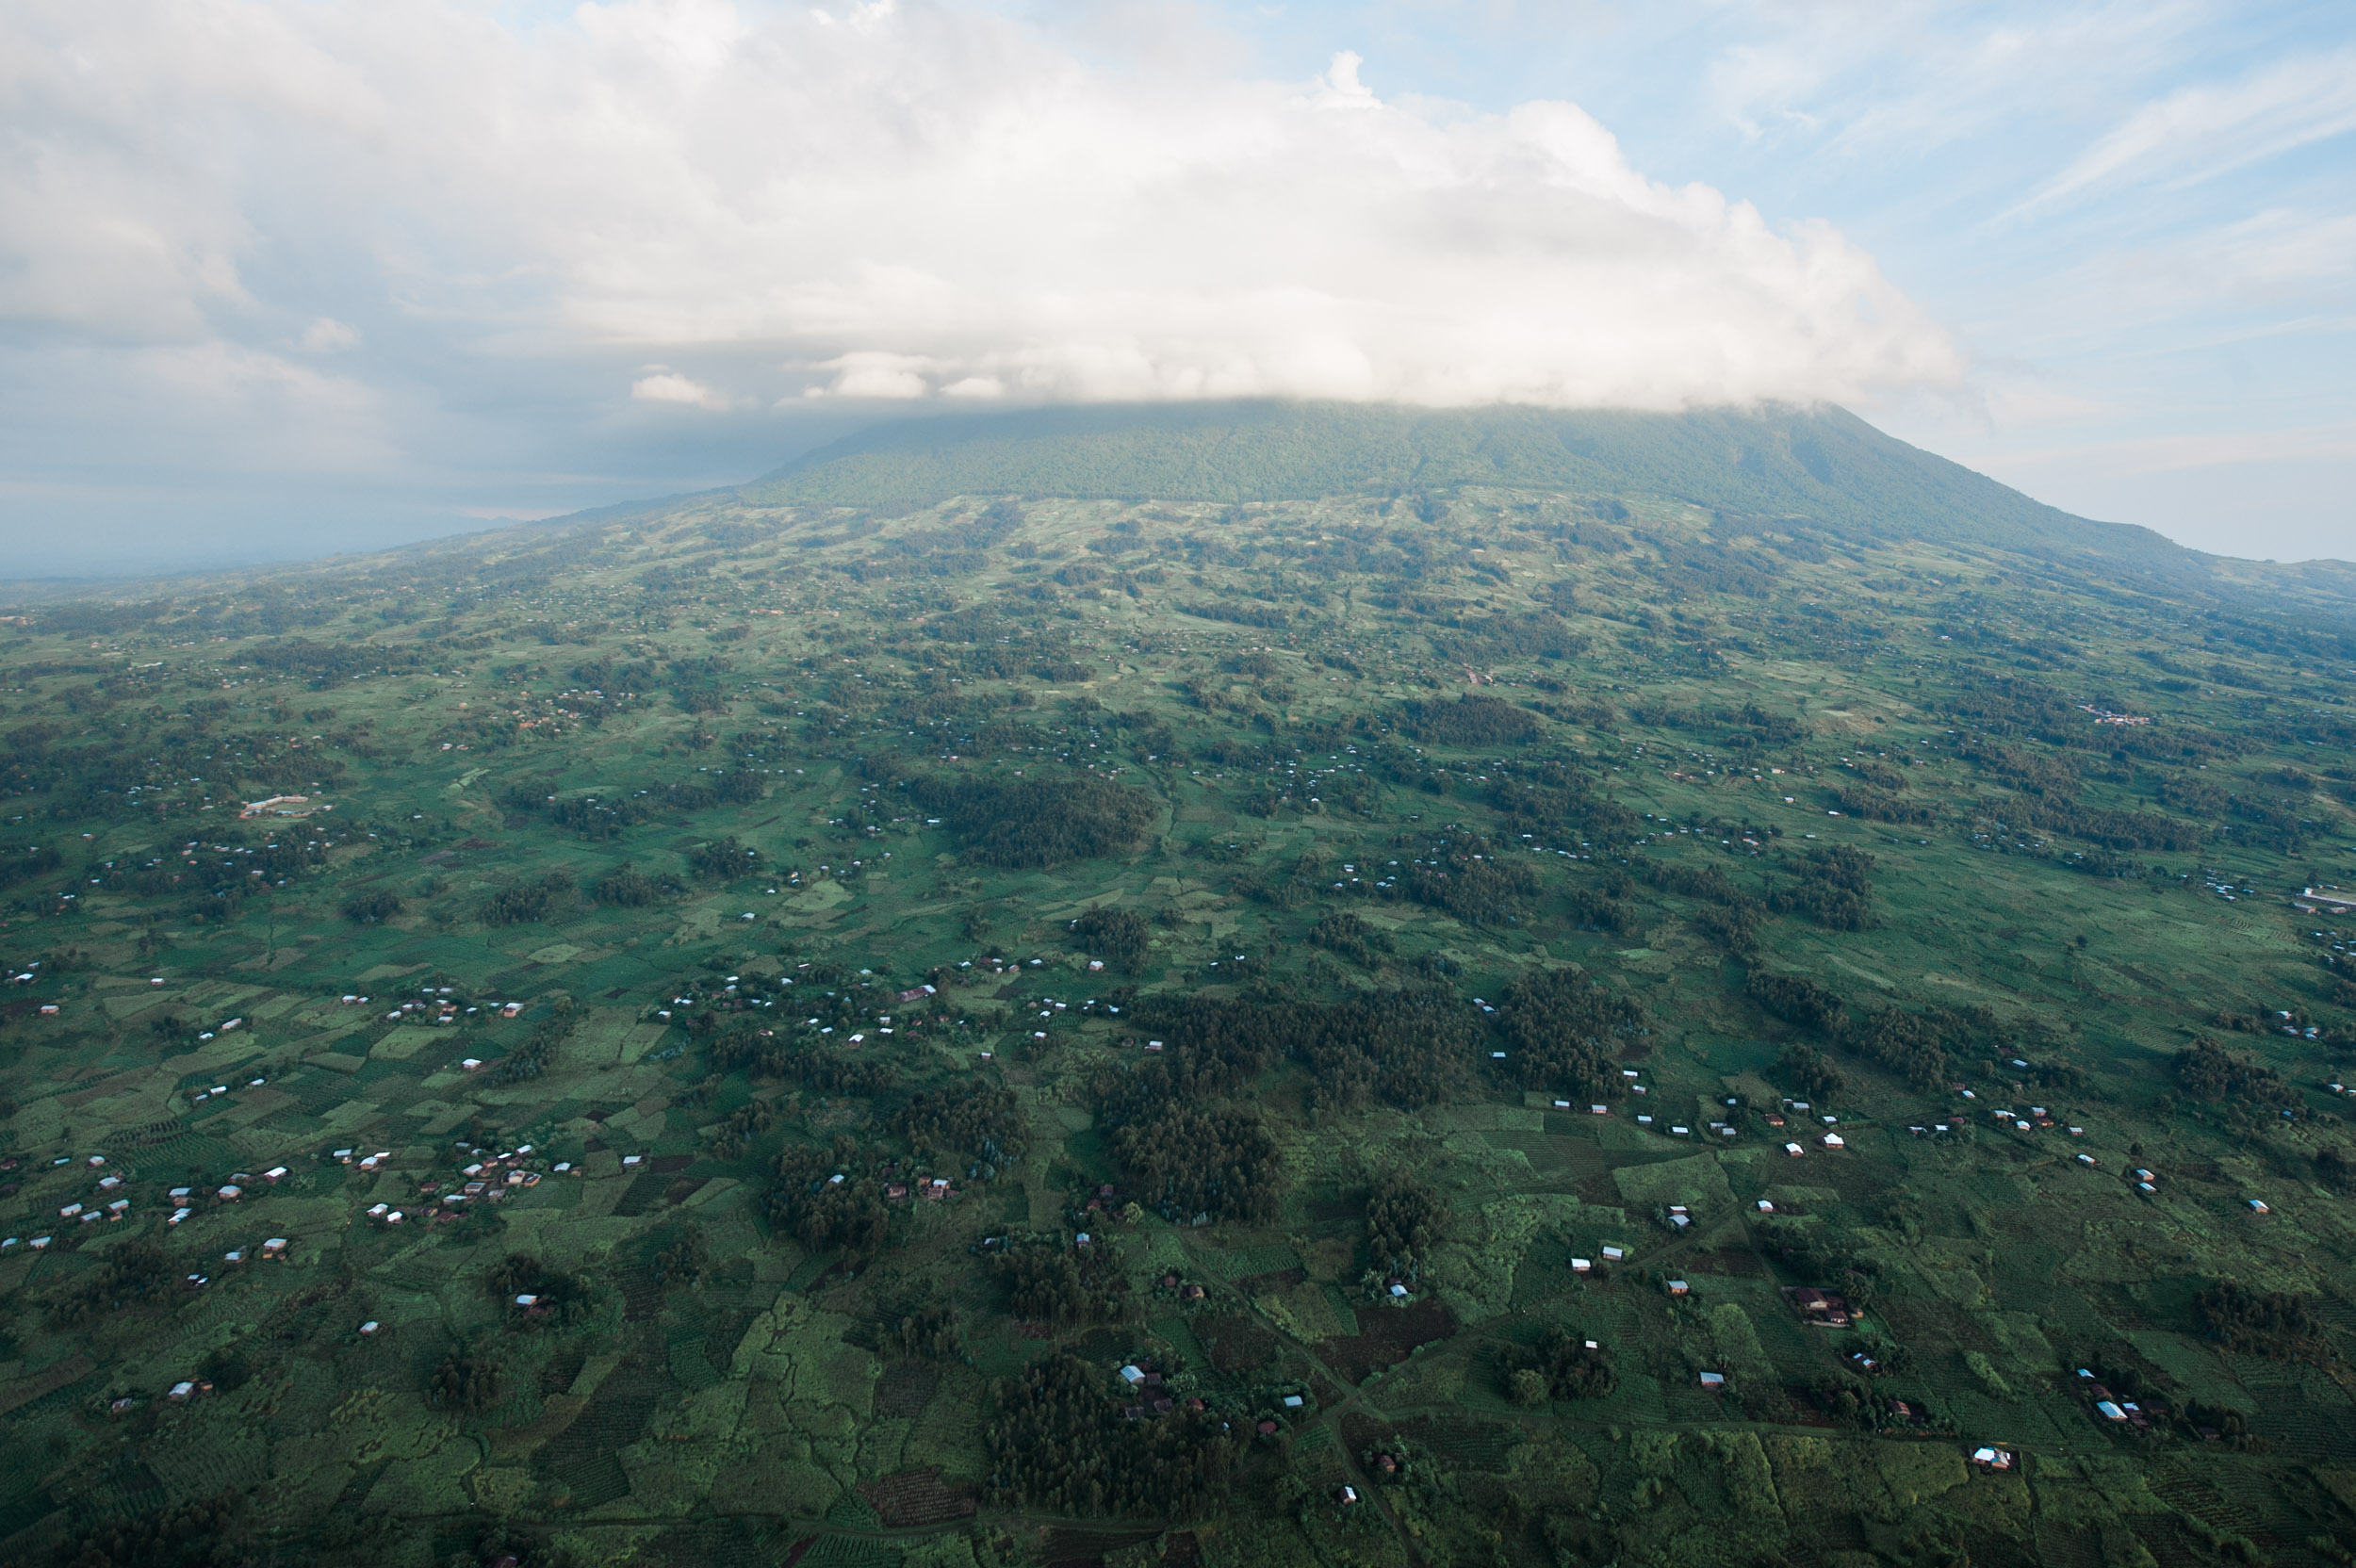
1715,1381
1679,1288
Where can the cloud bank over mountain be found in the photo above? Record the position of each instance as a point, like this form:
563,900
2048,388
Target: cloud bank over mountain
331,216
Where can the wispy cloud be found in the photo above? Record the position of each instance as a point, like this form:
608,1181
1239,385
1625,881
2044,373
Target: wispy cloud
2206,130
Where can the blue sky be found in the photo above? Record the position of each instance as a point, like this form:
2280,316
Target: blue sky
280,277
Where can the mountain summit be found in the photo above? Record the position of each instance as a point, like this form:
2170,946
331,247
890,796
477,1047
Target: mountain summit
1818,466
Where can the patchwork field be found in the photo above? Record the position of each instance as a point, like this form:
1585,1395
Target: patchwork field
1571,1020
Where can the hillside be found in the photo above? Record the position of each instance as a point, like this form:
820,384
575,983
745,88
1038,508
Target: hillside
1246,987
1815,467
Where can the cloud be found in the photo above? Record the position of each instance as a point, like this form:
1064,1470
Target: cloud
2200,132
328,335
888,202
668,386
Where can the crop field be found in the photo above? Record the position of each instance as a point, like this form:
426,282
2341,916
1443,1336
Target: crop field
1534,1023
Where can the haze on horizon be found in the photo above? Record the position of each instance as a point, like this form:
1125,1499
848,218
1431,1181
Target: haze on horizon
281,279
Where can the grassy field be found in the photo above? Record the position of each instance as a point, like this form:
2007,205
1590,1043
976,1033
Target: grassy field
726,957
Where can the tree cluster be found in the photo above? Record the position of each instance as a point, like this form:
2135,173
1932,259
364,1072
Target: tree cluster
1471,719
205,1533
564,1298
1795,998
821,1213
2208,1073
772,1054
983,1121
1405,1048
1559,1366
466,1380
1834,888
1059,1443
2273,1323
1026,823
1563,1029
1186,1159
1404,1221
1346,936
1052,1279
1119,937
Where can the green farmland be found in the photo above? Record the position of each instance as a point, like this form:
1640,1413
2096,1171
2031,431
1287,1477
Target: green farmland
1601,990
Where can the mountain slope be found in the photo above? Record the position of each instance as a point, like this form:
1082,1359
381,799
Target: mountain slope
1820,466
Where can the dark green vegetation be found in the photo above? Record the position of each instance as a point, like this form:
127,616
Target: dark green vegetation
748,943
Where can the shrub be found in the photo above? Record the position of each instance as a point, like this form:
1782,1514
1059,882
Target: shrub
367,908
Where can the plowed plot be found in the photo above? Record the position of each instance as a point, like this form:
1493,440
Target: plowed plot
1274,1284
905,1388
914,1498
1467,1445
1387,1336
1736,1262
1065,1548
1237,1344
